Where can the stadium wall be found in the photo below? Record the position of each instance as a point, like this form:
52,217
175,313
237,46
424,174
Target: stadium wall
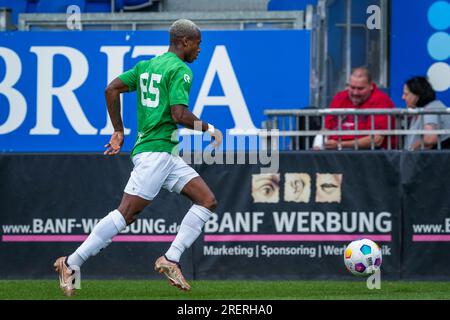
289,225
52,83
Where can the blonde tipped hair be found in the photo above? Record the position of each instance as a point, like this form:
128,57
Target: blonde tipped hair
183,28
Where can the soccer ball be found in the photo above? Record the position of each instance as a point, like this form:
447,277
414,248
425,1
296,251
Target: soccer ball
362,257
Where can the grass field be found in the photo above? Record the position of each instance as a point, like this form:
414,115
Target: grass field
226,290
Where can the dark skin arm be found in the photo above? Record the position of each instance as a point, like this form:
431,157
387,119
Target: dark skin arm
181,115
112,95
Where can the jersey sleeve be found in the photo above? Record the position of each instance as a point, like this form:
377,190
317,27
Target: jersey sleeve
130,77
180,86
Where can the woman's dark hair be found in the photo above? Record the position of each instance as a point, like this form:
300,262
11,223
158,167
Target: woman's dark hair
421,88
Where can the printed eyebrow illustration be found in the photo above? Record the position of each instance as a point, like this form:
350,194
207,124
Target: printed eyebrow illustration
328,187
266,188
297,187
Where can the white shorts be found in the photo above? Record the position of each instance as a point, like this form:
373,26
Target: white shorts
155,170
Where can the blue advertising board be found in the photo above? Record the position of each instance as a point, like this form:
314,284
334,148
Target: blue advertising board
52,83
420,45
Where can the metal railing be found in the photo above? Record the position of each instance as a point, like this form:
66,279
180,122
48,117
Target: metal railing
235,20
295,129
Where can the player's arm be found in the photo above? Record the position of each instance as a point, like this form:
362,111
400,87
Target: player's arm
112,95
181,115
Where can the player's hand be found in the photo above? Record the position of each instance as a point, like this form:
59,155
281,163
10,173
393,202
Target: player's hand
216,137
115,144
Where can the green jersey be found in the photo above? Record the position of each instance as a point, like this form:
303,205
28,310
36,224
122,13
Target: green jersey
160,82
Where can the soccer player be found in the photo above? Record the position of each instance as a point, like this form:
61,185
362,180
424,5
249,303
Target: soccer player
162,84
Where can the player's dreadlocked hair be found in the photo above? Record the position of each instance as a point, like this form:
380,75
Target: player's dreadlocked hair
183,28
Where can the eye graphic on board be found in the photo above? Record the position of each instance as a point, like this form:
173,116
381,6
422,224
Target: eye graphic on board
266,188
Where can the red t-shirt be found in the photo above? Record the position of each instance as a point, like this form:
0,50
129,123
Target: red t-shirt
377,100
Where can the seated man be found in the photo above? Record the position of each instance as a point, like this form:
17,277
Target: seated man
361,93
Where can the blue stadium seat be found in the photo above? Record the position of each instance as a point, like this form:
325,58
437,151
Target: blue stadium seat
60,6
119,5
133,5
100,5
31,6
285,5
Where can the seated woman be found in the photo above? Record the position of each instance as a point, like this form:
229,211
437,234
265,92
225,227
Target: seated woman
418,93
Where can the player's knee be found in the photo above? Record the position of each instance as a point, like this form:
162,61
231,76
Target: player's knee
131,217
130,211
210,203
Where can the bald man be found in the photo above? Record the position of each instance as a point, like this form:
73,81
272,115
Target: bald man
361,93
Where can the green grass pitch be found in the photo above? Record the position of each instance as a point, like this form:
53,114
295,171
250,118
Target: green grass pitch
225,290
